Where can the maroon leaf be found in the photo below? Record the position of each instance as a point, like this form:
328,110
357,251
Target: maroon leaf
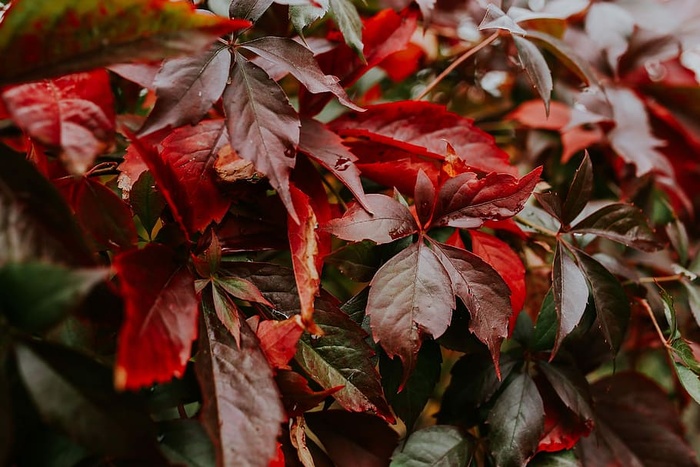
263,126
160,317
304,248
466,201
422,128
636,424
242,411
410,296
353,439
570,293
248,9
391,220
484,293
507,263
622,223
187,87
74,114
580,191
326,148
278,340
297,396
62,38
296,59
536,68
424,198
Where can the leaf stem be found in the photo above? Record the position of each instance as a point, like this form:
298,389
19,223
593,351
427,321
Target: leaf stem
456,63
653,280
650,312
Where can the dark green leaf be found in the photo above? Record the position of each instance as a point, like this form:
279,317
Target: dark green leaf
580,191
517,422
547,324
146,201
76,35
348,21
689,380
43,293
357,261
440,445
37,224
611,303
184,442
242,409
410,401
76,395
353,439
570,293
571,387
536,68
622,223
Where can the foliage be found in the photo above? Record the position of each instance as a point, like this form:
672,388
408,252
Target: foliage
315,232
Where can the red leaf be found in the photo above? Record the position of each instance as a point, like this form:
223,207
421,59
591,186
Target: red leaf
411,295
326,148
184,173
74,114
297,396
562,429
38,42
424,198
391,220
263,126
466,201
422,129
160,320
508,265
187,87
383,34
403,63
278,340
303,244
100,212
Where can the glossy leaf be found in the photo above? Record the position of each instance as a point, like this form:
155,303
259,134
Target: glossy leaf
422,128
353,438
547,325
390,221
485,294
326,148
304,248
570,293
609,298
466,201
186,88
75,395
517,422
101,213
433,446
160,317
42,294
37,223
262,125
409,403
242,411
580,191
571,387
410,296
536,68
129,30
622,223
73,114
296,59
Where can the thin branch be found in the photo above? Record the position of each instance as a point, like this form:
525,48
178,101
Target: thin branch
646,306
653,280
458,62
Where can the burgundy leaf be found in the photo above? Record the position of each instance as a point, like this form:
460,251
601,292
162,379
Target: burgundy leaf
100,212
391,220
536,68
297,396
424,198
484,293
248,9
570,293
422,128
410,296
304,248
622,223
263,126
326,148
580,191
466,201
74,114
160,320
187,87
296,59
242,411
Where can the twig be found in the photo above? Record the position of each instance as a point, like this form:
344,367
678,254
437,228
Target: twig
458,62
646,306
653,280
